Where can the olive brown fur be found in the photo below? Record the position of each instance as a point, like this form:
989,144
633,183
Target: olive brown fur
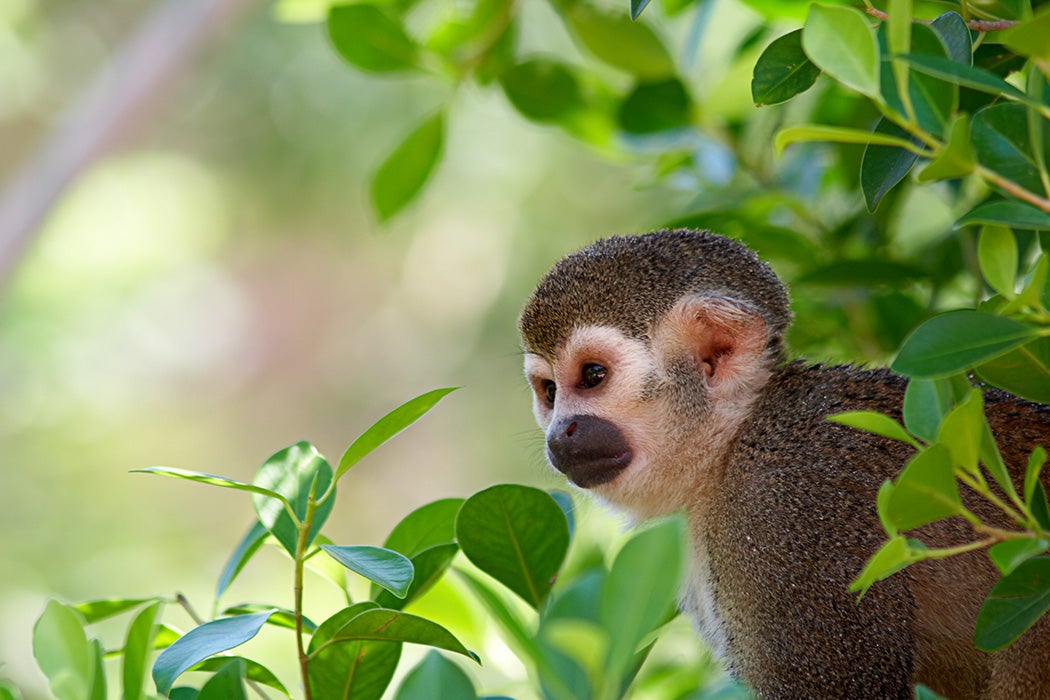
659,375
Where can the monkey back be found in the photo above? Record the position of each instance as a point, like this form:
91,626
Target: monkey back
630,281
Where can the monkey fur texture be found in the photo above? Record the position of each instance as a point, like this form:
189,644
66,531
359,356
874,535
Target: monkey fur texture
659,374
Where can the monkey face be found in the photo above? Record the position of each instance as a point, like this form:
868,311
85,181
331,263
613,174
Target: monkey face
637,422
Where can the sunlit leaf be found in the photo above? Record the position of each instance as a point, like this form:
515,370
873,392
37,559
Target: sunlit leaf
370,38
379,624
436,677
138,645
388,426
961,429
1010,554
621,43
1029,38
242,553
294,473
359,670
63,652
1036,460
957,158
203,641
211,479
958,340
1024,371
516,534
1013,605
925,491
876,423
97,610
840,41
897,553
227,683
836,134
404,172
429,565
281,617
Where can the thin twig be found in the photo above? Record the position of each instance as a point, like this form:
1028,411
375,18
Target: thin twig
979,25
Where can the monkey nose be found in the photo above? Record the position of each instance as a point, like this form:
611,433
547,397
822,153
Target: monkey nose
588,449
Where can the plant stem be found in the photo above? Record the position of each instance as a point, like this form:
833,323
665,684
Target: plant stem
979,25
300,565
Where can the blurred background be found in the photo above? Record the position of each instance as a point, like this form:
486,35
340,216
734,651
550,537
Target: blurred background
213,286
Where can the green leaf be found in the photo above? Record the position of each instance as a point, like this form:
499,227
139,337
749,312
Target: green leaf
1002,143
1036,460
436,677
245,550
380,624
882,505
837,134
1010,554
652,107
863,273
359,670
782,71
203,641
384,567
63,653
137,649
933,101
211,479
961,429
955,36
281,617
636,8
294,473
402,175
997,256
428,525
924,693
840,42
639,592
958,340
1016,215
8,691
253,671
542,90
876,423
1029,37
989,454
926,402
564,501
957,158
429,565
518,636
1013,605
98,684
1040,506
1024,371
925,491
368,37
882,167
621,43
516,534
388,426
964,75
897,553
97,610
227,683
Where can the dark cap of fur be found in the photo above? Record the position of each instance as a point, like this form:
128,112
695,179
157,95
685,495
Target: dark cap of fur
628,282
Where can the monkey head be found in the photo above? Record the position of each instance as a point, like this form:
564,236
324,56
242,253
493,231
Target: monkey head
644,354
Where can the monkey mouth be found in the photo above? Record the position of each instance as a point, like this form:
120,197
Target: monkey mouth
594,471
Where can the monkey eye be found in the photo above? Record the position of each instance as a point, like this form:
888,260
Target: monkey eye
549,391
593,375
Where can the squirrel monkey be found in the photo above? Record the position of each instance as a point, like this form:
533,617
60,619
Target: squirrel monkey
659,374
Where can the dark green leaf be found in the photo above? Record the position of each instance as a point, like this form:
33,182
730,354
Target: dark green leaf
962,74
516,534
958,340
63,653
863,273
253,671
1040,506
1013,605
1024,371
926,402
639,592
430,565
656,106
402,175
933,100
211,479
840,41
925,491
384,567
436,677
350,670
924,693
380,624
955,35
519,637
1001,143
1015,215
203,641
388,426
245,550
227,683
782,71
882,167
636,8
369,38
542,90
1010,554
138,646
621,43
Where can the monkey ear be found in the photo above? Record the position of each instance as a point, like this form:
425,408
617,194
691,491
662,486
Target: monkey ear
726,337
